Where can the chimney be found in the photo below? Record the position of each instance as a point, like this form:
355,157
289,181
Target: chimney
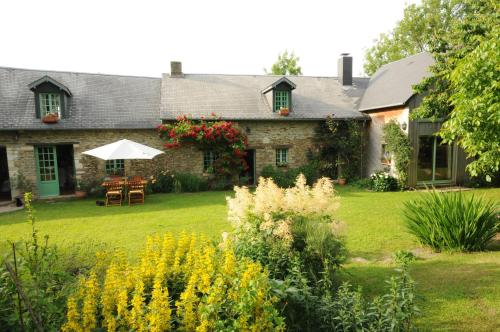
345,69
176,69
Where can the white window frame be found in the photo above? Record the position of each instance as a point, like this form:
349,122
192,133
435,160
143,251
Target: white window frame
209,158
281,156
115,167
50,103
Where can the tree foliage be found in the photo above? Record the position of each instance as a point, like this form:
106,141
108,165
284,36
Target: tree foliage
464,85
287,64
463,88
340,146
419,30
475,119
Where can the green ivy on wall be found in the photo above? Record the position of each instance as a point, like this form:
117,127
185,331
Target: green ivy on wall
398,144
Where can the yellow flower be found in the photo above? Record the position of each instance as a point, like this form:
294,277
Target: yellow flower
73,323
90,302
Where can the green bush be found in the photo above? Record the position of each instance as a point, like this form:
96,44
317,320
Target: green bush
382,181
347,310
362,183
93,187
163,182
166,182
46,275
452,221
186,182
285,177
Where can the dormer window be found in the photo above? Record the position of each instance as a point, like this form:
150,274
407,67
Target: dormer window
279,95
50,103
281,100
51,99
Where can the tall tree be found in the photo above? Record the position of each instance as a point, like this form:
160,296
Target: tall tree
473,89
419,30
462,36
287,64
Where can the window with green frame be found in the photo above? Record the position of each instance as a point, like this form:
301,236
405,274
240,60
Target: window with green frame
115,167
281,100
209,158
281,157
50,103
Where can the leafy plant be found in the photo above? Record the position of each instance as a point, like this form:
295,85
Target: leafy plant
398,144
382,181
474,122
36,279
92,187
452,221
347,310
340,145
404,257
285,178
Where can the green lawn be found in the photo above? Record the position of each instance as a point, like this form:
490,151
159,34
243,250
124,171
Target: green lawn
456,291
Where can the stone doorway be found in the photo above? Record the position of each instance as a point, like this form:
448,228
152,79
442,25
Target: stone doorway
5,193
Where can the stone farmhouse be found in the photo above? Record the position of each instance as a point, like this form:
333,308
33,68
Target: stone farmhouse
96,109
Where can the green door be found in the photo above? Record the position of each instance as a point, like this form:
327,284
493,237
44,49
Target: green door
46,164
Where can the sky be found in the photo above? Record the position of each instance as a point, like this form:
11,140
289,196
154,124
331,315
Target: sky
212,36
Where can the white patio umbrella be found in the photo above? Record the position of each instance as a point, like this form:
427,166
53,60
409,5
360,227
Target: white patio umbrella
123,149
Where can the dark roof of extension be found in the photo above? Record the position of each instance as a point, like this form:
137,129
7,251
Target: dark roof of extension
98,101
240,97
392,85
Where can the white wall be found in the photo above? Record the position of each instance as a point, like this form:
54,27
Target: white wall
375,137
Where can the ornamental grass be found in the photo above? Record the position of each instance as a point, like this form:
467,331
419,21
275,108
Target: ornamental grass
452,221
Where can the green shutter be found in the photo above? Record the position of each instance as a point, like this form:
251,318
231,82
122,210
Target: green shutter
37,106
63,105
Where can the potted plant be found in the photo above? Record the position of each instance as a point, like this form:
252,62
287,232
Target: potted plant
79,191
50,118
281,164
284,111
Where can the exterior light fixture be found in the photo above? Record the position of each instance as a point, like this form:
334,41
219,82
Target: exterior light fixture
404,126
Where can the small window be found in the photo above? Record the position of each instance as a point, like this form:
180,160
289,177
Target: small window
280,100
115,167
385,157
209,158
281,157
50,103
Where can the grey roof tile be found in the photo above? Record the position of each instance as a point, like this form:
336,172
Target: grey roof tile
392,85
98,101
240,97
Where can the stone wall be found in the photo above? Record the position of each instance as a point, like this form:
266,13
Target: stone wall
263,136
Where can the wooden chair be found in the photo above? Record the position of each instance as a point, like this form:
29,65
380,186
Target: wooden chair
136,178
135,192
114,193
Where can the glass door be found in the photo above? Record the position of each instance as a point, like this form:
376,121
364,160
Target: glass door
46,164
434,160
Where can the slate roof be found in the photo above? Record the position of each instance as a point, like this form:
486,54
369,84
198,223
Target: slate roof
98,101
392,84
240,97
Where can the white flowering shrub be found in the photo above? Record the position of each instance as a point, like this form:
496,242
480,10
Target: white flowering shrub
383,181
285,227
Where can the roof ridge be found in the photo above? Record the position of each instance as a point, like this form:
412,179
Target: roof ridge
79,72
264,75
405,58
